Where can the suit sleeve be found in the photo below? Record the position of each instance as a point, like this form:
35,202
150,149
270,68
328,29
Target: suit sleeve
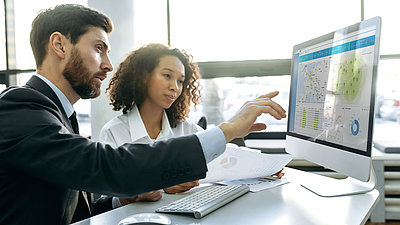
34,140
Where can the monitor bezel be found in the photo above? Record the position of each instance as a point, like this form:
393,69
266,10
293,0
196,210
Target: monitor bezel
330,36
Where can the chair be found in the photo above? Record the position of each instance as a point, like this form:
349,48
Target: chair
202,122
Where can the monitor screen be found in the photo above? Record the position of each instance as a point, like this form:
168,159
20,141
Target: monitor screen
332,95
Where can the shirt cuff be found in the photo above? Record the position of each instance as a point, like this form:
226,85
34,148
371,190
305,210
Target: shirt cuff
212,142
115,203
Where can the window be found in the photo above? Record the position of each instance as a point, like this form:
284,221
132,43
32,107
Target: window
3,61
387,122
387,106
150,22
24,14
24,60
3,65
228,30
222,97
217,31
390,23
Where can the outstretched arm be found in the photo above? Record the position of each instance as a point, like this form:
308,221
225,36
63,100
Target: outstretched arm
242,123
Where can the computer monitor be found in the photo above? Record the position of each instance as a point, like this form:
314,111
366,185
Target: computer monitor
331,106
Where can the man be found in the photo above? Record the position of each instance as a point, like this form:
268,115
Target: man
43,160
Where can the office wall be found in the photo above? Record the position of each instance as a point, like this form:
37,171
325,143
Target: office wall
121,41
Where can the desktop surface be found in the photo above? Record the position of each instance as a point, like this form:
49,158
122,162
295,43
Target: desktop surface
285,204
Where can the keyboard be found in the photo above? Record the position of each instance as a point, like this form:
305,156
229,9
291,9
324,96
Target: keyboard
205,201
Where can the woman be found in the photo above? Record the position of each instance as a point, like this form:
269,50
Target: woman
154,87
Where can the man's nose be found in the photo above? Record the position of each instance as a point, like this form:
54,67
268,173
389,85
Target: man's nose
107,64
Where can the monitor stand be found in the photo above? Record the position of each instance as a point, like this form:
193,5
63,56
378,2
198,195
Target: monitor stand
330,187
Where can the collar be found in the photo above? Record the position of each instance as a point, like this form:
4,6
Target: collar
68,108
138,130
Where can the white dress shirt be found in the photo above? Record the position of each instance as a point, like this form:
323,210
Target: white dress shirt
129,128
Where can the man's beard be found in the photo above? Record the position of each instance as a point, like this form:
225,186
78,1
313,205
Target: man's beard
84,83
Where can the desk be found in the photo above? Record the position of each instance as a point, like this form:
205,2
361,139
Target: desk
386,166
286,204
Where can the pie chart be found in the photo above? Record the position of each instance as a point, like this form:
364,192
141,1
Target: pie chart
228,162
355,127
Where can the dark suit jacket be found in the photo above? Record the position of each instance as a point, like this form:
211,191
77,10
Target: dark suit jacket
42,161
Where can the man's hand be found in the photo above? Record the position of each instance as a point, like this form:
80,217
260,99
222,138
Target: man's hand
242,123
149,196
181,187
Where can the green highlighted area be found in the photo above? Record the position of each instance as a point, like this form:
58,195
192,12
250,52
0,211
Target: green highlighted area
349,77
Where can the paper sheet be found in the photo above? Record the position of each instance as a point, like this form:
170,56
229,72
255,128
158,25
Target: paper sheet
242,163
257,184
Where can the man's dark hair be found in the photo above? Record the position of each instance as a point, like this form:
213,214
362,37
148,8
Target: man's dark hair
70,20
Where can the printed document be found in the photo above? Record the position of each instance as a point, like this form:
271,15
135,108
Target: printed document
242,163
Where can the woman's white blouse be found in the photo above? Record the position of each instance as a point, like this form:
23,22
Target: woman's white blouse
129,128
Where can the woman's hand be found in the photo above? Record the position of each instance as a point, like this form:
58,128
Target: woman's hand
181,187
149,196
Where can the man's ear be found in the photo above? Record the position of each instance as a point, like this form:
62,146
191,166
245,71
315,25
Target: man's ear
57,43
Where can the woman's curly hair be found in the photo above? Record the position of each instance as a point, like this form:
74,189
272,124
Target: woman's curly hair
128,86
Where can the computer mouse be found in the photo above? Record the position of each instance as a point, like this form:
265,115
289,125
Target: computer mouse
146,219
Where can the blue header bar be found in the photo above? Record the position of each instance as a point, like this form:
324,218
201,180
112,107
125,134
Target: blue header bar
361,43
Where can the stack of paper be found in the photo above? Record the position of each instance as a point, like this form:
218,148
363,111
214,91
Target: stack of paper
238,163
